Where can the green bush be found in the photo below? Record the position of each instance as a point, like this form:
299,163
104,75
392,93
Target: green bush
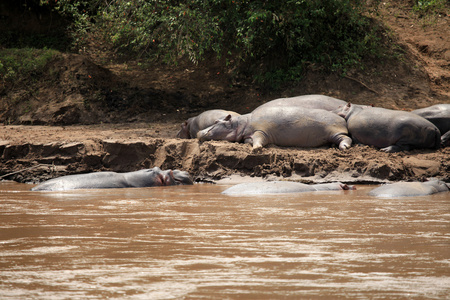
162,29
82,16
272,40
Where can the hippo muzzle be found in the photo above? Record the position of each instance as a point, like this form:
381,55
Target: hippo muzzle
202,135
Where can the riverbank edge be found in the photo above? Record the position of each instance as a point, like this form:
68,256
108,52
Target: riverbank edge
32,162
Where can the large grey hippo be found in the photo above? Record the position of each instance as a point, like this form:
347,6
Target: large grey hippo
283,187
390,130
282,126
307,101
191,126
410,189
439,115
104,180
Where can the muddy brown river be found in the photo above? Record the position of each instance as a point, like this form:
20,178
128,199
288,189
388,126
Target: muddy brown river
192,242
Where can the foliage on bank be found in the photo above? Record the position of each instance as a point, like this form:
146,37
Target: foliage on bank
272,40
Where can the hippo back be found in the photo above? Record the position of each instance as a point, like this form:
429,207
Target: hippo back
307,101
438,114
409,189
268,187
297,126
282,187
382,127
83,181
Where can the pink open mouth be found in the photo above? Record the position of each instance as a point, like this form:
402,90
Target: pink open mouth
165,179
346,187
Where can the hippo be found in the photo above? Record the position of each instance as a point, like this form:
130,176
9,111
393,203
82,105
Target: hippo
283,187
445,139
439,115
307,101
282,126
410,189
191,126
104,180
390,130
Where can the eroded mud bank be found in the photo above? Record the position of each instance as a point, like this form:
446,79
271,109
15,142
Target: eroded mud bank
208,161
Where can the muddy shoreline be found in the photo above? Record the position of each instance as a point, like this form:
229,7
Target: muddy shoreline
149,103
35,153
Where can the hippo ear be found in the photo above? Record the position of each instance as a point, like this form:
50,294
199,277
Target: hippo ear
349,105
227,118
184,125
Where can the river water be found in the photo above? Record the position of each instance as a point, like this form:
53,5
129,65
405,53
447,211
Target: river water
192,242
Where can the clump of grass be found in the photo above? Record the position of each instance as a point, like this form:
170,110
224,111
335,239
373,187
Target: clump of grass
430,7
16,64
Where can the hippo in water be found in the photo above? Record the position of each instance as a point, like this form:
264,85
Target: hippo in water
104,180
191,126
307,101
410,189
283,187
390,130
439,115
282,126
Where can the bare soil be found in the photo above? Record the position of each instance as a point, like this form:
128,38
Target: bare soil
91,112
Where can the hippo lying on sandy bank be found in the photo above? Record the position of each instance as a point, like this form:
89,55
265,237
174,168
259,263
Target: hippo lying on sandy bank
104,180
282,126
410,189
307,101
283,187
439,115
390,130
191,126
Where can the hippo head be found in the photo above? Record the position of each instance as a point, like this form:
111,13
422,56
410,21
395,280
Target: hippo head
350,110
182,177
344,111
222,129
184,131
437,184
